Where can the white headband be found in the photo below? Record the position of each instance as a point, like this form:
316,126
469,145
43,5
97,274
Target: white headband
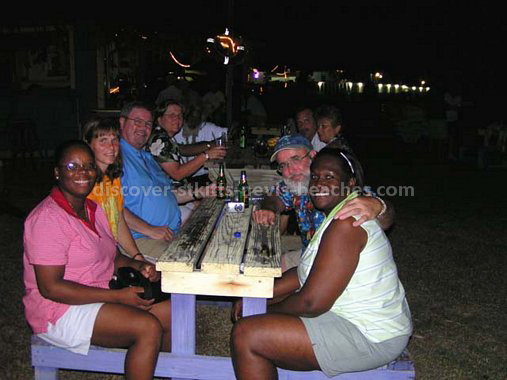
348,162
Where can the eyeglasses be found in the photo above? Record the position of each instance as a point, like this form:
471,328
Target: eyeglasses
296,160
141,122
75,167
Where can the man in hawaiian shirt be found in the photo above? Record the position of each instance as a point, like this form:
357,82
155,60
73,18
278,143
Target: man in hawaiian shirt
294,155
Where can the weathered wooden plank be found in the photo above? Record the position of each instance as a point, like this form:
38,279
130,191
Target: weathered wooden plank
264,252
225,249
184,251
213,284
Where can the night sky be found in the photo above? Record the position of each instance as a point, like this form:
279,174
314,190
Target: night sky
434,39
443,40
400,34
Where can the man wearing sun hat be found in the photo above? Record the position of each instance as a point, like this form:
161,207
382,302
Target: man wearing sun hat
294,154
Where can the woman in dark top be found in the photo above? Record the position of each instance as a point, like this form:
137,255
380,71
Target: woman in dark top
167,152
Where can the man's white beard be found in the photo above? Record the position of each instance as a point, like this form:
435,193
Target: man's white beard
298,187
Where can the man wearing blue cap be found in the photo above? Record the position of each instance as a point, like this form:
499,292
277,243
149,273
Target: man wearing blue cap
294,155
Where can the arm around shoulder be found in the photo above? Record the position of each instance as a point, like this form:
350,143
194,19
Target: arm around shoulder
387,215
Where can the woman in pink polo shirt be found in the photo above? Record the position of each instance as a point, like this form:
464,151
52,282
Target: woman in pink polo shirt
69,257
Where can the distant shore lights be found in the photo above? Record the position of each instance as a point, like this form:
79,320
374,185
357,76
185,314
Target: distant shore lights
256,76
325,83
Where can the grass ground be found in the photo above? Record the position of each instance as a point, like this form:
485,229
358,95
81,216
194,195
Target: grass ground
449,241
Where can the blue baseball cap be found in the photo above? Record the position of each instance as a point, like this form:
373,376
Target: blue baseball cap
291,142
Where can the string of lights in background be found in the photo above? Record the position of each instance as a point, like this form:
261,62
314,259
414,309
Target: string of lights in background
337,81
228,49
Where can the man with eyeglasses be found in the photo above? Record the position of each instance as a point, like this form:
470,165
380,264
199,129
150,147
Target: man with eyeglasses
294,155
151,205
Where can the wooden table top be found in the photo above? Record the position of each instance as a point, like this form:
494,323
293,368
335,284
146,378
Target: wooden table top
222,253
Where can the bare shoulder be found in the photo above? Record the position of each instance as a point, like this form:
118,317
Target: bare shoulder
345,231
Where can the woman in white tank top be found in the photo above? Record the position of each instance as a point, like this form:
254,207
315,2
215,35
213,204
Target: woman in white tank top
343,308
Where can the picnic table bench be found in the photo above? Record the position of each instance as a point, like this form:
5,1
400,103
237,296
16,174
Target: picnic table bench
217,253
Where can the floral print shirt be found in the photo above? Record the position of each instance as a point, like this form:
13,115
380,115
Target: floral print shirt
162,146
309,219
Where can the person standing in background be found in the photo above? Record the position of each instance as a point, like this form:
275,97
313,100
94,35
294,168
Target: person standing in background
307,126
213,103
330,126
197,130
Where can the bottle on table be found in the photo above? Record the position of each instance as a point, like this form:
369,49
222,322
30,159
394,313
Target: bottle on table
285,130
243,190
221,182
242,137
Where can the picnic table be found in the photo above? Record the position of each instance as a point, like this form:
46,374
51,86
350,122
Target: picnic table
218,253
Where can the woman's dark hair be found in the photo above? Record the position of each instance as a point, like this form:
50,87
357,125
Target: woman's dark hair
94,128
329,112
62,149
162,108
349,164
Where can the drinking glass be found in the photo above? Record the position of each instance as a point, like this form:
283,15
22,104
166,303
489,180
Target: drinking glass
221,141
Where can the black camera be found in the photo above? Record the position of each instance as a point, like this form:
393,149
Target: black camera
127,276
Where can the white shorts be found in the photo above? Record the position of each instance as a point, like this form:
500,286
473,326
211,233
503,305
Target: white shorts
73,331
